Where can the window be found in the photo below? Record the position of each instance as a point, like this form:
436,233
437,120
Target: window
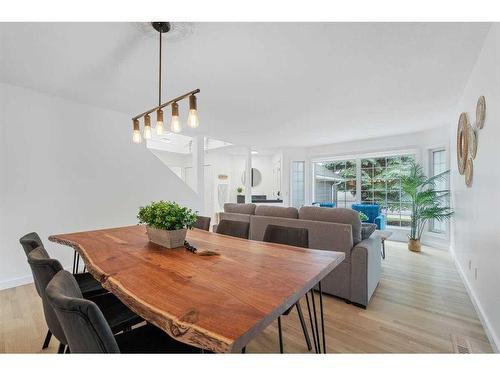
298,183
438,165
365,180
335,182
380,184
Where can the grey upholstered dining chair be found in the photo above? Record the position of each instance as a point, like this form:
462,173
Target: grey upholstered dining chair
87,283
294,237
203,223
44,268
88,331
30,242
233,228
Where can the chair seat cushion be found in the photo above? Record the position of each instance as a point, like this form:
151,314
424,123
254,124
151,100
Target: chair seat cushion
88,285
116,313
149,339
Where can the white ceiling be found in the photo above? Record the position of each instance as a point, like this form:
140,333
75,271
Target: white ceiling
262,84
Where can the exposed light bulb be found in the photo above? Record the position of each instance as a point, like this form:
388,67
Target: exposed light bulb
175,124
159,122
136,136
193,119
147,127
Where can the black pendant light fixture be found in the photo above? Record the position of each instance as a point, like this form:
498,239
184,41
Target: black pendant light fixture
175,124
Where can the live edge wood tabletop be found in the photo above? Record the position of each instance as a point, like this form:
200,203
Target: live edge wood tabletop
218,302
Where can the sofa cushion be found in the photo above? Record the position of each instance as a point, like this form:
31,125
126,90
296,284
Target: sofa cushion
367,229
322,235
334,215
240,208
276,211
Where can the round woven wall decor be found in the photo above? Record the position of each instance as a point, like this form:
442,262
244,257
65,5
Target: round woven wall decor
469,171
480,112
472,141
462,145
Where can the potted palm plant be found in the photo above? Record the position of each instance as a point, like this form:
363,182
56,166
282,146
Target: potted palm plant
424,200
166,223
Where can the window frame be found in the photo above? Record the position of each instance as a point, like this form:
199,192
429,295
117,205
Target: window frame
431,151
291,181
414,152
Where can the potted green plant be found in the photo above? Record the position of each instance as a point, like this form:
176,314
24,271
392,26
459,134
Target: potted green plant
166,222
424,201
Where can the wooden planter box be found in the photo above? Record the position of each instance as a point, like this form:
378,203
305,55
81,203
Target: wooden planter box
167,238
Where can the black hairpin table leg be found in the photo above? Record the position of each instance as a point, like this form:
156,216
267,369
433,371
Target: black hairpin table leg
314,321
322,317
74,262
312,326
77,263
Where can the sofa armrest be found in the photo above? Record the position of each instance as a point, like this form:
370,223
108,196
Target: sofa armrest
380,221
365,269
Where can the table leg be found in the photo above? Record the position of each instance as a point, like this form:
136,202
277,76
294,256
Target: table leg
312,326
315,320
383,249
322,317
280,335
77,262
74,262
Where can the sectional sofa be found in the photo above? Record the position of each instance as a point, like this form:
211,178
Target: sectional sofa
337,229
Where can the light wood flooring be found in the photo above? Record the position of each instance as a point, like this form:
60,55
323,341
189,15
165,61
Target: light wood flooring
420,306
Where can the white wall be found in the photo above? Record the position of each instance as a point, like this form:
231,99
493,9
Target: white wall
475,228
69,167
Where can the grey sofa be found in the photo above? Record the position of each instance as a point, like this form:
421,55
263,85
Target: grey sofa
335,229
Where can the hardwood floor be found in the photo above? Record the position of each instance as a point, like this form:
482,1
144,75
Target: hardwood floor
420,306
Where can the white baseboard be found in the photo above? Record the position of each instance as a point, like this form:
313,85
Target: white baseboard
18,281
436,243
490,333
12,283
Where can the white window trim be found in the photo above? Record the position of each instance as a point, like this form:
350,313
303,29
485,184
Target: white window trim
428,232
291,180
357,157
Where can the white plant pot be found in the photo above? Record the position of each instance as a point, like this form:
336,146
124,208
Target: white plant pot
167,238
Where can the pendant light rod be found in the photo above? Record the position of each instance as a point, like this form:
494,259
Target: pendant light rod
167,103
159,76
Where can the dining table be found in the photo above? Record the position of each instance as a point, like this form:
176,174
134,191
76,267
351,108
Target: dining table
218,297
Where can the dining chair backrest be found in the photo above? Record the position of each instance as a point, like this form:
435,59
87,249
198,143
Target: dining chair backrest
233,228
286,235
43,269
203,223
84,325
30,242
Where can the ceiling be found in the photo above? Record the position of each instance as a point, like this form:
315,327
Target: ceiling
262,84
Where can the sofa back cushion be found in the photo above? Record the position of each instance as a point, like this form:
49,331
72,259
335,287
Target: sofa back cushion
276,211
234,217
334,215
240,208
322,235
